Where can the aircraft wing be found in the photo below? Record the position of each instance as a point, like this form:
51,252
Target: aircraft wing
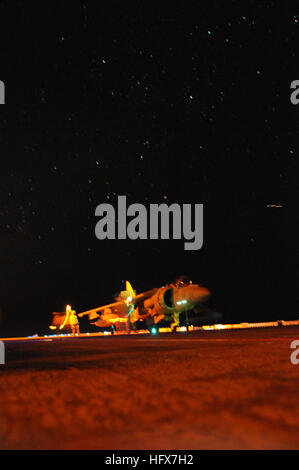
120,304
144,295
99,309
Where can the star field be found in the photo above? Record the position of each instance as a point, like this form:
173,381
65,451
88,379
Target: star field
188,104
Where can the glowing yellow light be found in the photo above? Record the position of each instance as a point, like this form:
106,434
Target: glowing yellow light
118,319
68,312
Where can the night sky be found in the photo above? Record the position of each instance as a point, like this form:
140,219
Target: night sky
185,102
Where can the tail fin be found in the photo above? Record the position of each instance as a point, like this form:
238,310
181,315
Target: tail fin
130,290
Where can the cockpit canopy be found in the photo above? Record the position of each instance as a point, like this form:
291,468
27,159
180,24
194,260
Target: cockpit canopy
182,281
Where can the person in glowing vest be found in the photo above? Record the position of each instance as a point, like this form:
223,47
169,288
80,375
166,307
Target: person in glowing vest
74,322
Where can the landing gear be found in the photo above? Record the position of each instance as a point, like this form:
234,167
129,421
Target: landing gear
187,320
176,322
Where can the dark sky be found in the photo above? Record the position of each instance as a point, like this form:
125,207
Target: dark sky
185,102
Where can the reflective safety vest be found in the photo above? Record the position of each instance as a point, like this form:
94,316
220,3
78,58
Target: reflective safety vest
73,319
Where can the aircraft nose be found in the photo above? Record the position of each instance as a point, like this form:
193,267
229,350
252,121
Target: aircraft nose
197,294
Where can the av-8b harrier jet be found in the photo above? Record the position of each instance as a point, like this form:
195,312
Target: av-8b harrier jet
162,304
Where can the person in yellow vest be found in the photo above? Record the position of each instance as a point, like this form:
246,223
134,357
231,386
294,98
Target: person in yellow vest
74,322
